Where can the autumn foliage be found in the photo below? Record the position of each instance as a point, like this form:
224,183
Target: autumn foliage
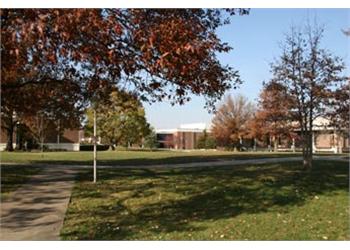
154,53
273,117
231,122
309,74
148,48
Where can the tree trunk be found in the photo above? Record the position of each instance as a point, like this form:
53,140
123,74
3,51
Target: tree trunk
275,144
111,146
19,143
304,148
340,143
303,143
9,133
307,158
307,163
19,137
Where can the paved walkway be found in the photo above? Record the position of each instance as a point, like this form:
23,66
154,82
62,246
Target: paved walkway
36,210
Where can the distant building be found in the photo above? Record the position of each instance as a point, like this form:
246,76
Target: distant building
184,137
325,138
68,140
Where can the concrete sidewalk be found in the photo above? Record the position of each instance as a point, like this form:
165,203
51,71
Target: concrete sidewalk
37,209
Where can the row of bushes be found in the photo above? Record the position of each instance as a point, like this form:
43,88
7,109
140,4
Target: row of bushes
206,141
90,147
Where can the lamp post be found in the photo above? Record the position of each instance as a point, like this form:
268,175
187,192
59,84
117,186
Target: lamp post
95,146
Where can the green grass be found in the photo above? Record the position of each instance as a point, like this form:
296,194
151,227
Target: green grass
131,157
265,202
13,176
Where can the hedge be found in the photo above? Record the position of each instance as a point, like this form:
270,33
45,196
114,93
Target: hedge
90,147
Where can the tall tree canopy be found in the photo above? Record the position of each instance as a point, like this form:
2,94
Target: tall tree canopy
273,115
150,140
339,109
120,120
309,73
231,121
164,53
53,105
154,53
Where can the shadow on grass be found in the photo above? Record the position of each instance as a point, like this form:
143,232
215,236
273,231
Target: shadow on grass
165,160
139,203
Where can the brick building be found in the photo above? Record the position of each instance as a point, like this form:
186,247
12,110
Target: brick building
325,138
68,140
184,137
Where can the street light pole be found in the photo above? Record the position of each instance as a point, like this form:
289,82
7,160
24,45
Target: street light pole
95,146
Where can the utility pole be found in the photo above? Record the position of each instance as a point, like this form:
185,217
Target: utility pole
95,146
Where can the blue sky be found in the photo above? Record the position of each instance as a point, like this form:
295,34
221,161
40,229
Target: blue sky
255,39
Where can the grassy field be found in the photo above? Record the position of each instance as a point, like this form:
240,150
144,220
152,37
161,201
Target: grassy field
131,157
265,202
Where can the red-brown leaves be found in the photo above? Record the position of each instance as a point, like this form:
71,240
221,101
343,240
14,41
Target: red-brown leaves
231,121
273,117
173,48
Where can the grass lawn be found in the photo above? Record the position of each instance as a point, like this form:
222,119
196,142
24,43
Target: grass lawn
13,176
265,202
133,157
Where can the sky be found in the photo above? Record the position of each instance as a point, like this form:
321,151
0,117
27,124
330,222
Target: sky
255,39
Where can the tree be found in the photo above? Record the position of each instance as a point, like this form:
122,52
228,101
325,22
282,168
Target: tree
150,140
40,124
308,72
206,141
135,128
121,120
230,123
50,103
273,114
156,53
339,111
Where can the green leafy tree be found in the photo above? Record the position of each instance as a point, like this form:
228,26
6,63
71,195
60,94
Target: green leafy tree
151,141
210,143
120,121
206,141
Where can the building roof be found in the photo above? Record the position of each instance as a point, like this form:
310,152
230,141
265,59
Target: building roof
189,127
200,126
320,123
